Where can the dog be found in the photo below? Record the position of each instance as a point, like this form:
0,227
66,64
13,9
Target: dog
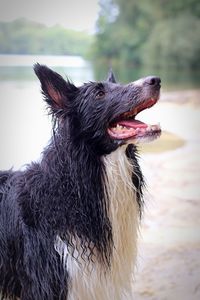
69,222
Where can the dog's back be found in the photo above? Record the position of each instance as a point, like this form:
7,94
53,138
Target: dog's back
24,250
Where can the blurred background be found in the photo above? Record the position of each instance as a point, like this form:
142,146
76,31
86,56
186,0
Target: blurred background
82,40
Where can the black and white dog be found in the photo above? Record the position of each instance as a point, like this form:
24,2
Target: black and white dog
68,224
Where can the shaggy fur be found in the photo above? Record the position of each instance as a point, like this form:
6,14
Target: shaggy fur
68,224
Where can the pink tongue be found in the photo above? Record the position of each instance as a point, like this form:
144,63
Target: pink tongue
133,124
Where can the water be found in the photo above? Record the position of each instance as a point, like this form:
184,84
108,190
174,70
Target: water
172,78
20,67
53,61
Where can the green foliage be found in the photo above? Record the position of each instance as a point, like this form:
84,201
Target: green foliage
174,42
26,37
158,33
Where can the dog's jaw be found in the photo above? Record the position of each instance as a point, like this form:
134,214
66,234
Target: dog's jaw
129,130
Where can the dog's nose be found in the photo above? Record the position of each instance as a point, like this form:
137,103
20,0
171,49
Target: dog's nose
152,80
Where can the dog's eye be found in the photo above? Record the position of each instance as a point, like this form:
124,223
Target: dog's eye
100,95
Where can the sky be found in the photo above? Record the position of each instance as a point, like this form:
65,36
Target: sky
73,14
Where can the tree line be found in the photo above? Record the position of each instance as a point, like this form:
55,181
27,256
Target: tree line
129,33
154,33
26,37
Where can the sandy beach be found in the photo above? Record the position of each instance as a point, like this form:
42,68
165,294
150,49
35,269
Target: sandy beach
169,244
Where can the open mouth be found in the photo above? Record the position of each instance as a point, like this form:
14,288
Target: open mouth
125,127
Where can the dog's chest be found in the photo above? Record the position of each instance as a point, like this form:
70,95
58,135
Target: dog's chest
92,282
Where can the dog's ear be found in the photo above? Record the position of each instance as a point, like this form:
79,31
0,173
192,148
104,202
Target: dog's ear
111,77
56,90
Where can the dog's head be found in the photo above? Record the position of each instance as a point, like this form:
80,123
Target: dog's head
101,114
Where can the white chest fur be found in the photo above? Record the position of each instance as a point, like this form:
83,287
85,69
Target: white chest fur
93,283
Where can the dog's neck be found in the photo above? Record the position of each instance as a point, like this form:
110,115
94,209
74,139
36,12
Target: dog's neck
77,174
124,217
92,181
123,213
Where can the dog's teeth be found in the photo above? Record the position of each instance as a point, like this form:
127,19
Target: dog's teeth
119,127
154,127
148,128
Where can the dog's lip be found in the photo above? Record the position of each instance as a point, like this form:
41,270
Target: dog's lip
125,126
140,107
131,114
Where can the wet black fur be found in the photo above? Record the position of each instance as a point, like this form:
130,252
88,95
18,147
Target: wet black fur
63,194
